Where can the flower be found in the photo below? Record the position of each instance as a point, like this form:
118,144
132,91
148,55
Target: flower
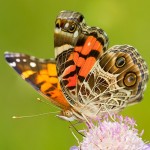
74,148
120,134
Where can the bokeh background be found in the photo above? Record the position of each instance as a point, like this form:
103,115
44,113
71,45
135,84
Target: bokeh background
27,26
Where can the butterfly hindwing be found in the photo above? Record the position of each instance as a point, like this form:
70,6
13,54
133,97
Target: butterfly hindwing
117,79
41,74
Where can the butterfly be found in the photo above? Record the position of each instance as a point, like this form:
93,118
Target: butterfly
86,79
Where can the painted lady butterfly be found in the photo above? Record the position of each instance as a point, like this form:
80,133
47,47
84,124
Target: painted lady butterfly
86,79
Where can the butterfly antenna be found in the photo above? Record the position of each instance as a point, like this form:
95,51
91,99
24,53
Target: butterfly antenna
37,115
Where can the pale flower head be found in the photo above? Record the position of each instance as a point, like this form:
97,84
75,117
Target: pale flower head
120,134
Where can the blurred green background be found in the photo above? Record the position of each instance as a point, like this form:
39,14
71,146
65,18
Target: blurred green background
27,26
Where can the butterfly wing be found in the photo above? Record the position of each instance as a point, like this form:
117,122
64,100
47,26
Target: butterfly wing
117,79
77,47
41,74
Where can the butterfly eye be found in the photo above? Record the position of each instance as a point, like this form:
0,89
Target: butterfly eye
130,79
72,27
68,113
120,62
58,23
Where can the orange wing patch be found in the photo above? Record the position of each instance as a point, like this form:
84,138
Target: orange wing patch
26,74
42,76
87,63
52,69
50,87
83,59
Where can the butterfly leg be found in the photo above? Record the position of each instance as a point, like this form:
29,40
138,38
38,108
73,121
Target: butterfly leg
73,126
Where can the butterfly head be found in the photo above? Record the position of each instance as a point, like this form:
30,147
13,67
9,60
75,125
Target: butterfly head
67,115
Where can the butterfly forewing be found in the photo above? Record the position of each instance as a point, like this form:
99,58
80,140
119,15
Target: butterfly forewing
77,47
41,74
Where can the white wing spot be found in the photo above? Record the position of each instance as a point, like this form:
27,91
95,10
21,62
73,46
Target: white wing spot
67,25
89,44
32,64
13,64
75,34
24,60
17,60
